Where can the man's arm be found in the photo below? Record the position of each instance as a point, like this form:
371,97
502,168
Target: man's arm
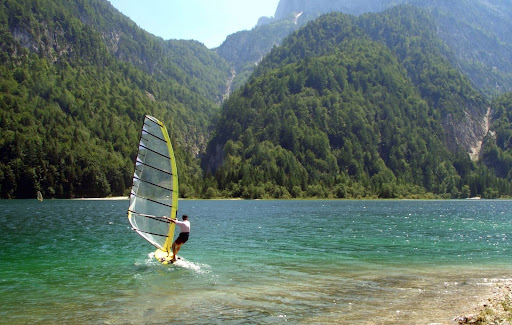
171,220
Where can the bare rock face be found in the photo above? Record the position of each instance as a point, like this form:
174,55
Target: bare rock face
468,132
289,7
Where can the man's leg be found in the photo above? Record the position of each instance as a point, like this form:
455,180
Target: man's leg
177,250
173,247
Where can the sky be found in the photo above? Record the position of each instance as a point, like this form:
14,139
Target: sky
206,21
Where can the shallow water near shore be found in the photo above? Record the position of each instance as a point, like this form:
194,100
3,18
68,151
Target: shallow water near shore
259,262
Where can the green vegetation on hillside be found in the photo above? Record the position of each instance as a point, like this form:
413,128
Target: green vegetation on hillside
498,143
347,107
71,109
334,112
476,31
72,131
245,49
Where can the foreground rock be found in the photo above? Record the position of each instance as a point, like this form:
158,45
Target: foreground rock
496,310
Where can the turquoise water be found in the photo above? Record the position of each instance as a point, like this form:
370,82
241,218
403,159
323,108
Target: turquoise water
254,262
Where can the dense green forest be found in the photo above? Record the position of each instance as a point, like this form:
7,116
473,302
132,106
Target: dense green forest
476,31
71,108
350,107
71,131
498,149
347,107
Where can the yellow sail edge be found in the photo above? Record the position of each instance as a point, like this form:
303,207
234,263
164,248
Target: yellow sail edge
174,202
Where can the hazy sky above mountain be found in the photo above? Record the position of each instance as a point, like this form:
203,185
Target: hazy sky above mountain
207,21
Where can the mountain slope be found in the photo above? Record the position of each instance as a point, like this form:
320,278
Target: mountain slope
245,49
77,78
349,107
409,33
497,152
476,32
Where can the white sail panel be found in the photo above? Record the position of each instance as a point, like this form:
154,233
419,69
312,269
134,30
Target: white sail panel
155,186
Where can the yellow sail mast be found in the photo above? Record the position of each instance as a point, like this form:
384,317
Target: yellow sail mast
174,204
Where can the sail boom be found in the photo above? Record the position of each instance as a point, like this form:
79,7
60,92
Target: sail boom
149,233
157,218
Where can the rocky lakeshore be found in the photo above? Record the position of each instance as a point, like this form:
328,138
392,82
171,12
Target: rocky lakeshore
495,310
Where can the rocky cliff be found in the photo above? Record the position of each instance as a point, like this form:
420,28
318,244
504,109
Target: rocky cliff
288,7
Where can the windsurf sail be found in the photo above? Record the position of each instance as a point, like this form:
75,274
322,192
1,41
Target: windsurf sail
39,196
154,193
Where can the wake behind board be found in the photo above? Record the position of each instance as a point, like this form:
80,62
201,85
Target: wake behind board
163,257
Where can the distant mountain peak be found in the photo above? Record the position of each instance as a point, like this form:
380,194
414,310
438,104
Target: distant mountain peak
286,8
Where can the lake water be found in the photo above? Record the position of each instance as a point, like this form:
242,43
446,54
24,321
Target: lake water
254,262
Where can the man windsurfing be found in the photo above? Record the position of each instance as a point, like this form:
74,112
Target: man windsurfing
183,237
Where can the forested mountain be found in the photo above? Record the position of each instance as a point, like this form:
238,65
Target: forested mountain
353,107
497,151
348,107
245,49
76,79
477,32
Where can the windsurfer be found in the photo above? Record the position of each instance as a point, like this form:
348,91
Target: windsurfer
183,237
